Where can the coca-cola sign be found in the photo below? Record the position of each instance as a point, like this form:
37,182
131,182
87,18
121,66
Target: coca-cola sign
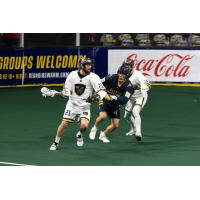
160,65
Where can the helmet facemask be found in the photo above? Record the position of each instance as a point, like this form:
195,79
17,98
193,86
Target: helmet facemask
130,63
123,73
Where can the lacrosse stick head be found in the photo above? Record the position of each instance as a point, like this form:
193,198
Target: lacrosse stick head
47,92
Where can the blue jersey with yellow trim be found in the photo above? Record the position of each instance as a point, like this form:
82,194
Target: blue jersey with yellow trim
122,91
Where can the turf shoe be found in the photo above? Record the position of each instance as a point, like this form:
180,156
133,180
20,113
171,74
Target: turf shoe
93,132
79,137
130,133
138,137
54,146
103,138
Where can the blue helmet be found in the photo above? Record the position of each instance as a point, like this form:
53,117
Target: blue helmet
129,62
124,69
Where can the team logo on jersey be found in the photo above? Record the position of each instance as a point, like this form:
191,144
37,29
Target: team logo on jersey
79,89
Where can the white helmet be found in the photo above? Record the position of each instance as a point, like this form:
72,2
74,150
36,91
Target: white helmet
84,61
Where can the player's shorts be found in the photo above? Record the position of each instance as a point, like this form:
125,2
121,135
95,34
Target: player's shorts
75,113
140,101
111,112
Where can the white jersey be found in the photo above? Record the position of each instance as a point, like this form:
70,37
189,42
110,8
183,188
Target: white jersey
138,79
82,86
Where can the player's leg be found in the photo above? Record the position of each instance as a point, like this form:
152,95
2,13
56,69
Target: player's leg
129,117
68,117
137,120
84,122
60,133
114,115
102,115
140,102
109,129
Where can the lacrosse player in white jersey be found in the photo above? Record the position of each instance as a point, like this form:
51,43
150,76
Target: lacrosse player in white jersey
137,100
79,86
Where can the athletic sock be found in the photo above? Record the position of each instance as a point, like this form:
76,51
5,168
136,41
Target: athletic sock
131,122
94,128
79,134
137,120
57,139
103,134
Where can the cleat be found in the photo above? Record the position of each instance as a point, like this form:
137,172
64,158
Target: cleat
138,137
54,146
92,134
103,138
79,138
130,133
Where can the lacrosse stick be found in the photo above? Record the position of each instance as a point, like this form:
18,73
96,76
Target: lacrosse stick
49,93
46,92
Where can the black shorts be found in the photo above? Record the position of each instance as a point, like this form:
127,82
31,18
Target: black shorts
113,112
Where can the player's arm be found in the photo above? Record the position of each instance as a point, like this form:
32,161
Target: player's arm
67,88
123,99
106,80
99,88
144,83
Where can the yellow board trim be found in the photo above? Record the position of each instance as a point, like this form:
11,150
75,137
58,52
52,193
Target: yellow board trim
31,85
61,84
177,84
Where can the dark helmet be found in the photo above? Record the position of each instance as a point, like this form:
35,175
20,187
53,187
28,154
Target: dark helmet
84,61
124,69
129,62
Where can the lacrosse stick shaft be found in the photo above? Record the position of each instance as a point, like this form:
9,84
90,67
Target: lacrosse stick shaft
45,90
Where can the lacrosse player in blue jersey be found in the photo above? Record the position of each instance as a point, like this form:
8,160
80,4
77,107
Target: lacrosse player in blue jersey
120,90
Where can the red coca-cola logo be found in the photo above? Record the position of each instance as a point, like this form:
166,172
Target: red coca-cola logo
174,65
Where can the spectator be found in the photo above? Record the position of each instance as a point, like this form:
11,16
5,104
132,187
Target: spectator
142,39
94,39
175,38
108,40
124,36
142,36
10,40
161,40
178,40
181,43
196,43
125,39
127,43
144,43
195,40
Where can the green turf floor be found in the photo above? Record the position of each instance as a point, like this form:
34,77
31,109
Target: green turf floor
170,126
